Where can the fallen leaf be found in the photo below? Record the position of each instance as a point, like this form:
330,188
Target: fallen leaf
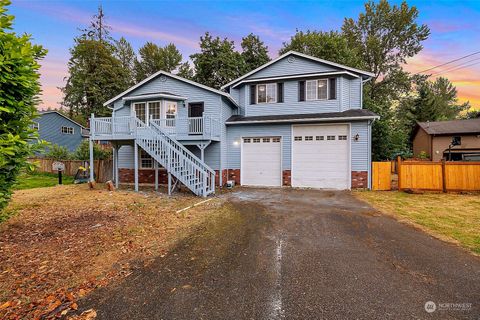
74,306
6,305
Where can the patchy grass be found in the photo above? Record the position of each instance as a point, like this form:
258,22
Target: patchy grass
451,217
64,241
40,180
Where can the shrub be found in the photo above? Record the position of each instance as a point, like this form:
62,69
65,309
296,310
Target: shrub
57,152
83,152
19,83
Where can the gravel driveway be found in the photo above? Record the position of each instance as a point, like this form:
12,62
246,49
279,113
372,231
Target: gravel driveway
298,254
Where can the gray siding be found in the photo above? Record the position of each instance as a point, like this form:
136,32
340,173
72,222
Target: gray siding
235,134
355,93
212,155
360,149
51,130
291,105
180,88
299,66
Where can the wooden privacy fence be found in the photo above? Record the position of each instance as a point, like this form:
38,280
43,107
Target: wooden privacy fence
103,168
382,175
439,176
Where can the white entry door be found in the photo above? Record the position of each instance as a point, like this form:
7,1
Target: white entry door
261,161
321,156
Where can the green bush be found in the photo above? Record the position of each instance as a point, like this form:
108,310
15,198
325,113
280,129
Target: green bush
19,89
83,152
57,152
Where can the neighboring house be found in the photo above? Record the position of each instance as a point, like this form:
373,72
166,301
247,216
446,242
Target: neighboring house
434,139
58,129
295,121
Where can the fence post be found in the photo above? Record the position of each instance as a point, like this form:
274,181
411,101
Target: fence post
444,177
399,171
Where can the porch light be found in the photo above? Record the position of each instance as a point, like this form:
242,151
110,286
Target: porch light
356,137
236,143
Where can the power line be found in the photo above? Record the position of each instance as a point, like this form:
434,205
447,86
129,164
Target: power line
448,62
456,68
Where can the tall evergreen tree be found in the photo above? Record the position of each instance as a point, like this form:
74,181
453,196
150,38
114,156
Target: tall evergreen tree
185,71
217,63
126,55
254,52
95,74
154,58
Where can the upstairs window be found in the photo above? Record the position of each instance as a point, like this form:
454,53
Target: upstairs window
67,130
316,89
267,93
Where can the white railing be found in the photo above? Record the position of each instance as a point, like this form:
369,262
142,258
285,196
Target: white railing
206,127
177,159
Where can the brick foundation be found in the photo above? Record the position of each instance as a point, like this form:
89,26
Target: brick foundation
359,179
287,178
234,174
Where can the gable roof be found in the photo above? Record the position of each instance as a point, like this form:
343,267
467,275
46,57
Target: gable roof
161,72
306,56
469,126
54,111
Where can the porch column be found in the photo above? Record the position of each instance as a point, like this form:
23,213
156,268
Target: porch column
169,183
135,164
115,165
155,163
90,145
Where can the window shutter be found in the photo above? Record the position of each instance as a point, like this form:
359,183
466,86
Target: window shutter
253,93
332,95
301,91
280,92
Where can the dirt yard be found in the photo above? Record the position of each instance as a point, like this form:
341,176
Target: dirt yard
450,217
62,242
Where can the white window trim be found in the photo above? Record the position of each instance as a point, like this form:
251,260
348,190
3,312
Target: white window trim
316,89
140,160
266,84
163,109
66,127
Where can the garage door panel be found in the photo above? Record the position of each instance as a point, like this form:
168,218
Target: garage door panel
320,162
261,162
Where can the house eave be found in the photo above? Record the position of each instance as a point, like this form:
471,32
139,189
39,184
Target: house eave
153,96
333,119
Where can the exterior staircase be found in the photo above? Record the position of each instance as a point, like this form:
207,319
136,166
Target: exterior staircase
176,159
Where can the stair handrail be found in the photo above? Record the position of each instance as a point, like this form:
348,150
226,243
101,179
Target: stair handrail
180,146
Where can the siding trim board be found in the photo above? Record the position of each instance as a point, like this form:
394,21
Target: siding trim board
303,120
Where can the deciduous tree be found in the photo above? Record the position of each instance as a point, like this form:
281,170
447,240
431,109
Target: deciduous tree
254,52
217,63
154,58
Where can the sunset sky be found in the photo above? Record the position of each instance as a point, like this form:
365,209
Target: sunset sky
455,30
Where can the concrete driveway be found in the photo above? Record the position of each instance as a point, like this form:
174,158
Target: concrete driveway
294,254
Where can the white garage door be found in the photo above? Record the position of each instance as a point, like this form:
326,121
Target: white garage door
261,161
320,156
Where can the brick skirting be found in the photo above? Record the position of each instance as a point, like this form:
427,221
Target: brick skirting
359,179
287,178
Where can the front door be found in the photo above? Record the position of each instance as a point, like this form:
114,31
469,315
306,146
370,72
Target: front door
195,115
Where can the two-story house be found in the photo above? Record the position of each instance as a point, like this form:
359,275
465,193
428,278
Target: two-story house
295,121
58,129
